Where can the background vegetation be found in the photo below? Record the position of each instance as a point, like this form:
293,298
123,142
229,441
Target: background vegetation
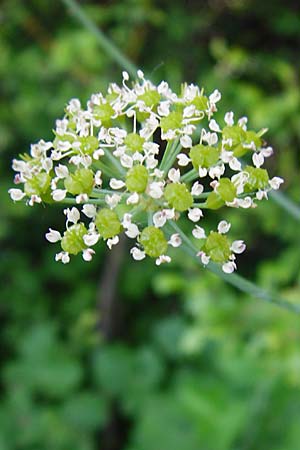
118,355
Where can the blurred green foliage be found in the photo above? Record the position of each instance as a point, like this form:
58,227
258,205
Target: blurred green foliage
192,364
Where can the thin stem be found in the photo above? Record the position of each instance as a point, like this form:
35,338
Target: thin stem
93,201
169,154
286,203
235,280
107,45
107,170
115,162
190,176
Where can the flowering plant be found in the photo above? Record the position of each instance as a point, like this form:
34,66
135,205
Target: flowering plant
135,160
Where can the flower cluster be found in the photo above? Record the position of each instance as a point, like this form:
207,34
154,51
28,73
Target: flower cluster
136,159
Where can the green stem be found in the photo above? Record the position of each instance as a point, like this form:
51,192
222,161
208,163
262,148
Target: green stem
190,176
170,153
286,203
107,45
235,280
115,162
93,201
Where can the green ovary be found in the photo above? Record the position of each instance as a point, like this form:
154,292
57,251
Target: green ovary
72,241
107,223
204,156
217,247
80,182
154,242
137,179
178,196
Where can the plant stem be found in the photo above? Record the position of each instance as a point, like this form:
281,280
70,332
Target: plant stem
108,46
190,176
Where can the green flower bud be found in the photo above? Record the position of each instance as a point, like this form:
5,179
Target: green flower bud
238,137
38,185
201,102
217,247
107,223
134,142
104,113
171,122
226,190
204,156
258,178
72,241
150,98
137,179
80,182
214,201
89,144
154,242
178,196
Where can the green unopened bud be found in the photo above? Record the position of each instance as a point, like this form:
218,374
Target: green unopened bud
137,179
104,113
150,98
80,182
258,178
171,122
89,144
214,201
201,102
107,223
38,185
204,156
178,196
238,137
217,247
72,241
134,142
154,242
226,190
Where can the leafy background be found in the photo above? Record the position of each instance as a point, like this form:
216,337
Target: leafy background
181,360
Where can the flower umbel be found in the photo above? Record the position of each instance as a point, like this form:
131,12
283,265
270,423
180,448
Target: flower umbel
138,157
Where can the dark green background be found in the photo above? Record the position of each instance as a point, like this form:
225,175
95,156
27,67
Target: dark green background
183,361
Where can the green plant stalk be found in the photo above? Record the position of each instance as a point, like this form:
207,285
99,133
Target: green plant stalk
190,176
107,45
234,279
168,154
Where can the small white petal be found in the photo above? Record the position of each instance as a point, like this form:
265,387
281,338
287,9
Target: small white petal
125,75
59,194
63,257
223,227
162,259
112,241
116,184
275,183
202,172
214,126
137,254
204,258
91,239
175,240
229,267
73,215
132,230
174,175
229,118
61,171
197,189
186,141
183,159
16,194
156,189
89,211
53,236
199,232
238,247
258,159
133,199
195,214
215,96
87,254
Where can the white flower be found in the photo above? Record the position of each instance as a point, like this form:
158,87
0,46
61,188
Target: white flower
91,239
61,171
215,96
112,200
81,198
197,189
238,247
112,241
53,236
156,189
186,141
73,215
162,259
160,217
87,254
204,258
174,175
116,184
63,257
202,172
97,153
132,230
195,214
214,126
258,159
235,164
137,254
223,227
175,240
16,194
89,211
126,161
59,194
163,108
183,159
199,232
229,118
133,199
275,182
229,267
261,194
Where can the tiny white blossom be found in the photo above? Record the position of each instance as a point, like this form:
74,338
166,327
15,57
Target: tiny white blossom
215,96
186,141
59,194
258,159
214,126
16,194
175,240
275,182
53,236
116,184
183,159
199,232
112,200
91,239
61,171
112,241
132,230
174,175
197,189
156,189
137,254
224,227
89,211
63,257
238,247
229,118
229,267
162,259
133,199
73,215
195,214
87,254
204,258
